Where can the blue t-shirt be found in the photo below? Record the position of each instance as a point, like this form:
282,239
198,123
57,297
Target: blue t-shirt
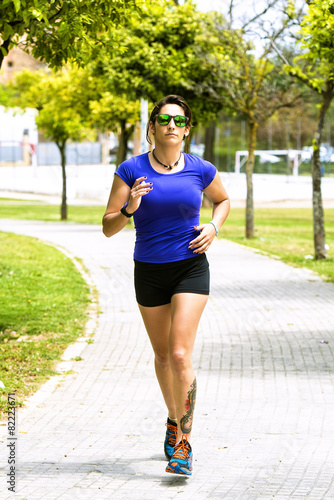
167,215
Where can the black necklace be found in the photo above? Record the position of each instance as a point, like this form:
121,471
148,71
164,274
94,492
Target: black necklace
169,167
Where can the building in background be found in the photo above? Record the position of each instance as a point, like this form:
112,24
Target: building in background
17,60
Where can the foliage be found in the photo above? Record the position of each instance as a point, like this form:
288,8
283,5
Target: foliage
107,111
57,31
315,65
56,96
252,87
315,68
158,55
249,85
317,32
6,96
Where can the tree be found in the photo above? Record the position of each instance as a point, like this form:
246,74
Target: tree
106,111
315,68
249,85
56,31
56,96
117,114
158,56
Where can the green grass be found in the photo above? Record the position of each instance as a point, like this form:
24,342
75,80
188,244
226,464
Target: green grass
44,302
286,233
27,210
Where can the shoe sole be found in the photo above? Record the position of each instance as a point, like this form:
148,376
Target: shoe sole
179,472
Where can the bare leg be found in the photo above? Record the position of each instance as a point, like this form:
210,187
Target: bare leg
187,309
157,322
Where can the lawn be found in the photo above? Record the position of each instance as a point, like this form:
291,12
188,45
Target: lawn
28,210
286,233
44,304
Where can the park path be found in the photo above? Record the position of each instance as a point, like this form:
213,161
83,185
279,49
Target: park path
264,425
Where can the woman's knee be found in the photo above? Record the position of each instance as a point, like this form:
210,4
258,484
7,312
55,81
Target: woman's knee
162,359
180,360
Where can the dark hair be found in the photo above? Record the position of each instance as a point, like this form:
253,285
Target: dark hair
169,99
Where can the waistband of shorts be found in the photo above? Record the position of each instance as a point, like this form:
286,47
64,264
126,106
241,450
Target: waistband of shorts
169,265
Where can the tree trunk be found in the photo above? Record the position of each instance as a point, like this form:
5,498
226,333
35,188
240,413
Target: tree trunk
123,140
209,140
318,211
210,134
122,146
252,127
63,207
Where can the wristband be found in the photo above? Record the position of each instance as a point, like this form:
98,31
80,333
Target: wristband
214,225
124,212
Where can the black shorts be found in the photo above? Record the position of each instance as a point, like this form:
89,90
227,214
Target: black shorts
156,283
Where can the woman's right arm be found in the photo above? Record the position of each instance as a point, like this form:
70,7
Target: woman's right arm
113,220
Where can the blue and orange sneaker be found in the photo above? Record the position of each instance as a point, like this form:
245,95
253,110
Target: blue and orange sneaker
170,440
182,459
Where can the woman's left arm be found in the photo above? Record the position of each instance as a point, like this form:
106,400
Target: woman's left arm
221,207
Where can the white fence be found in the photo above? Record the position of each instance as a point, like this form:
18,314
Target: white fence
268,188
83,181
94,182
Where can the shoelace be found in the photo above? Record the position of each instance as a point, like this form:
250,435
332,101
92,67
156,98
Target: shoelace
181,449
173,430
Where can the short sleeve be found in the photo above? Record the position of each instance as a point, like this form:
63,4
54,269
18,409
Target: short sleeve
126,172
208,173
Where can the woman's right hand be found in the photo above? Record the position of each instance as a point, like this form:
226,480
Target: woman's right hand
138,190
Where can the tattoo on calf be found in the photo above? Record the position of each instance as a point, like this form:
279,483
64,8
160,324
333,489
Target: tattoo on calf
186,421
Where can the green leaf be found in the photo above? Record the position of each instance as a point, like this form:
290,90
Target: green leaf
4,51
38,14
17,5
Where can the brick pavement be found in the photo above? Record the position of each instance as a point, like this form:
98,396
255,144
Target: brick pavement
264,425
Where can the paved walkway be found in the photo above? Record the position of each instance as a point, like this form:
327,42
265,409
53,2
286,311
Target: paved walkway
264,422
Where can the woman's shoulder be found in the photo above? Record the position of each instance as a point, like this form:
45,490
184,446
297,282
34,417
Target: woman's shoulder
135,161
129,170
203,169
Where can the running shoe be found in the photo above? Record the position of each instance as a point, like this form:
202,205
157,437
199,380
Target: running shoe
170,440
182,458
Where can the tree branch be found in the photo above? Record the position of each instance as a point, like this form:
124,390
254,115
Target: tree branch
230,13
289,104
257,16
279,53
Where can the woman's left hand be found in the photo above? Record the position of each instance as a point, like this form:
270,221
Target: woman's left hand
203,241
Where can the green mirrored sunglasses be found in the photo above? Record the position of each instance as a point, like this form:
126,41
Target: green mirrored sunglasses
180,121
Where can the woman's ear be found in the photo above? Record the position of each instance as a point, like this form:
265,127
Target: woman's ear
151,128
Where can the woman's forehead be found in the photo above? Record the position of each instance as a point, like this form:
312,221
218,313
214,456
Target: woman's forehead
172,109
